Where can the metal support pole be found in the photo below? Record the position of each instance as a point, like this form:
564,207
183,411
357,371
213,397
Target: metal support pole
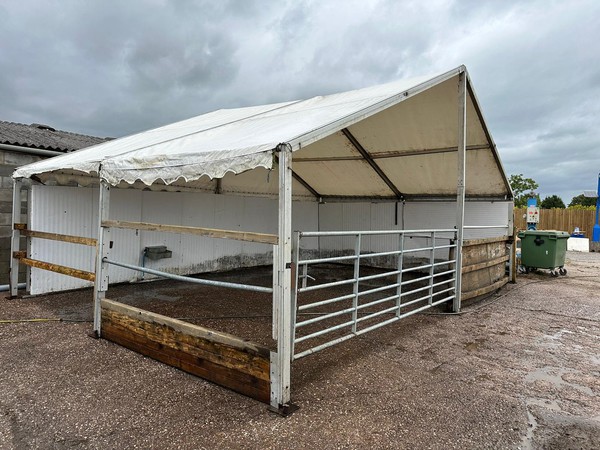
432,267
356,282
295,276
16,238
399,276
460,183
102,248
28,240
304,275
282,277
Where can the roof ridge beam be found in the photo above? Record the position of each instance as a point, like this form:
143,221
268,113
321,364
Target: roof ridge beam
365,154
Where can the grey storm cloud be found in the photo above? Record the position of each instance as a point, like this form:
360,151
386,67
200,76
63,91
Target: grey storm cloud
111,68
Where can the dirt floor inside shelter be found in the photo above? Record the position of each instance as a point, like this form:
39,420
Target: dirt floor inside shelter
520,369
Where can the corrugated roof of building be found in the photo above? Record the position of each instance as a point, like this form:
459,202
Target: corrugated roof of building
45,137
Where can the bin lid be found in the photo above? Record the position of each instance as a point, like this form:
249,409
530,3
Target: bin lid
550,233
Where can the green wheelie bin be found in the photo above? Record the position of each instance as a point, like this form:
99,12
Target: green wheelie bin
544,249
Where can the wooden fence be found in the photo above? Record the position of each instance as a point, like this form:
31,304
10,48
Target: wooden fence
560,219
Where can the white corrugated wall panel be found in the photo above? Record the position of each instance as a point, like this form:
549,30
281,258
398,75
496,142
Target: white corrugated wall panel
64,210
413,215
383,217
305,217
70,210
164,208
125,204
487,213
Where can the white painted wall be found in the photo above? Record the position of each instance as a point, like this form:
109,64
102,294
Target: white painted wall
411,216
74,211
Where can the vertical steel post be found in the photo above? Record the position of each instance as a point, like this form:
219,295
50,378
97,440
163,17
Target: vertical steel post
356,283
512,272
282,314
28,240
16,238
102,248
295,275
304,275
432,267
399,276
460,184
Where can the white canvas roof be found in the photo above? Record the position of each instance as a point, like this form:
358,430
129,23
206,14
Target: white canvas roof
397,140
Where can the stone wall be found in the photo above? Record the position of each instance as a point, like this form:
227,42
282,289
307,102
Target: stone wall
9,161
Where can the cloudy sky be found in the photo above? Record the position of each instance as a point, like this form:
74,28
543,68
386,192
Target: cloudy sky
112,67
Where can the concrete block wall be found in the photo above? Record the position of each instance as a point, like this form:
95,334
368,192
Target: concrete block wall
9,161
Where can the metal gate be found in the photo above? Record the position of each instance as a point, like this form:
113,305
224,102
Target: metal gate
340,294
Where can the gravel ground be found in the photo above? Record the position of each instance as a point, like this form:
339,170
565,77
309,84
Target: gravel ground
520,369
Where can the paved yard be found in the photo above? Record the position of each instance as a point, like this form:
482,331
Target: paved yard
518,370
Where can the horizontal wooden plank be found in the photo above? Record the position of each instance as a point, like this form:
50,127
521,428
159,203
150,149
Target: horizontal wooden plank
20,254
480,253
485,264
19,226
230,378
471,242
242,366
484,290
187,328
76,273
60,237
224,355
199,231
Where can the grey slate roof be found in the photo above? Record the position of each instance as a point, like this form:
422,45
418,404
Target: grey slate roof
44,137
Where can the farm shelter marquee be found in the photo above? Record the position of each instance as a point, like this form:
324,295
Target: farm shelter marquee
373,177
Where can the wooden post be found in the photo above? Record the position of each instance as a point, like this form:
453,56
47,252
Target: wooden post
102,248
16,238
282,301
513,257
460,184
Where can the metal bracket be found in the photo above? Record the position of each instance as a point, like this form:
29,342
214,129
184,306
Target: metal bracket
284,410
94,334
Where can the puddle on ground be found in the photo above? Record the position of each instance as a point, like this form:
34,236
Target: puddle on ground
552,341
554,375
532,423
544,403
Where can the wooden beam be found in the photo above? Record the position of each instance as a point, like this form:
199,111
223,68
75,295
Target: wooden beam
263,238
20,254
20,226
484,290
471,242
69,271
59,237
186,327
485,264
218,357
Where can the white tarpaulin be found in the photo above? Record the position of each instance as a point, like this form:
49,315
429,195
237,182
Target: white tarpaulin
390,141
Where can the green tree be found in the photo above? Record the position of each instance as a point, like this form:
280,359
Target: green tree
581,200
523,188
553,201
